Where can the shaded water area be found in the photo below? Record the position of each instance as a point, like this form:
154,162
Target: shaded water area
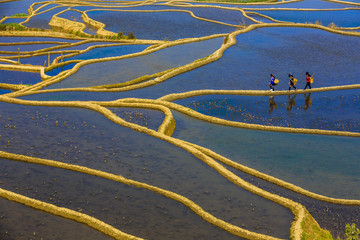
14,77
21,222
158,25
81,138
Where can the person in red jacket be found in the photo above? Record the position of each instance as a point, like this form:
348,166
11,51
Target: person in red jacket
308,80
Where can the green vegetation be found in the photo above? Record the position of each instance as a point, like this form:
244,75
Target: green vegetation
19,15
312,230
120,35
12,27
352,232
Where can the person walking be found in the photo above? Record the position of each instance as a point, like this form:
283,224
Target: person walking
292,82
272,82
308,80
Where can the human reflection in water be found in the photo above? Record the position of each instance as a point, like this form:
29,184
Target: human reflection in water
291,102
272,104
307,101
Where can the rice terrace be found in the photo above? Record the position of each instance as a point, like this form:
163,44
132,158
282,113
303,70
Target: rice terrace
154,119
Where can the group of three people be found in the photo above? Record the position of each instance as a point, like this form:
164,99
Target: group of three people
292,82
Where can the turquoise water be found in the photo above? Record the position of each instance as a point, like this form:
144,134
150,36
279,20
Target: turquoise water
326,165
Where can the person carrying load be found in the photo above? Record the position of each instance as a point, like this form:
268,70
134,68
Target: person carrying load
273,82
309,80
292,81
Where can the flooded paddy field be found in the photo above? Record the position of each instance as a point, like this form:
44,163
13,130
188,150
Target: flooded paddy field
155,120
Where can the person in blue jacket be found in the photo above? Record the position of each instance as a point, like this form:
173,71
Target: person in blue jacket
272,82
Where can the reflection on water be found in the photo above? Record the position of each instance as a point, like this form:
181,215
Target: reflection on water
311,110
291,102
308,101
272,104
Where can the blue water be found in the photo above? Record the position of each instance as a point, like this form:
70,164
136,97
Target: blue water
222,15
158,25
111,51
247,65
34,39
71,15
4,91
14,77
14,7
42,21
13,20
39,60
128,69
83,46
58,70
317,4
25,47
347,18
328,110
